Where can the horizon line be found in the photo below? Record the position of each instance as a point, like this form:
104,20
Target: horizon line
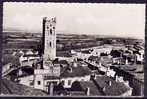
74,33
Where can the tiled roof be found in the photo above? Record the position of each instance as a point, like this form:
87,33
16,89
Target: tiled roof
94,58
94,91
86,51
116,88
138,47
63,62
30,55
63,54
78,71
60,62
11,88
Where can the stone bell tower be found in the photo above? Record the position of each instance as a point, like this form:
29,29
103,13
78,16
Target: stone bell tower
49,38
49,54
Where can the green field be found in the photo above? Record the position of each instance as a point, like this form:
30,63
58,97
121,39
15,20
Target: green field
65,42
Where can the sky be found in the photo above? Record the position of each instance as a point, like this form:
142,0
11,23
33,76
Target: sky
126,20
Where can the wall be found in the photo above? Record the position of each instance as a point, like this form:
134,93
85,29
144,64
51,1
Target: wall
127,93
27,80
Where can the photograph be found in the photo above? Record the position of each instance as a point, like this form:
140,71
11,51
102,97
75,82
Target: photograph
73,49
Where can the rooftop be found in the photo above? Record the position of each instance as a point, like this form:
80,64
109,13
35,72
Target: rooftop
30,55
60,62
63,54
116,88
8,87
93,88
86,52
105,60
77,71
94,58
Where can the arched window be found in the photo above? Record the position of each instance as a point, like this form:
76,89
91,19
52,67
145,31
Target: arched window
50,44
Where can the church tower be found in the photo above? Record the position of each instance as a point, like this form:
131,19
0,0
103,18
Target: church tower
49,38
49,69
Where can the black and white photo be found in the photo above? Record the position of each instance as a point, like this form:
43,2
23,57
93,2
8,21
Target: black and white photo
73,49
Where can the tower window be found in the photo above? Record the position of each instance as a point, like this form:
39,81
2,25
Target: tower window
50,44
53,27
51,31
69,82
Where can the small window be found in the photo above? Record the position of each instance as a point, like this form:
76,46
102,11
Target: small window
39,82
69,82
53,27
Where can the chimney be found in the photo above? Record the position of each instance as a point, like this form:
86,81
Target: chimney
116,78
126,61
75,64
51,89
100,64
110,83
87,91
104,88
